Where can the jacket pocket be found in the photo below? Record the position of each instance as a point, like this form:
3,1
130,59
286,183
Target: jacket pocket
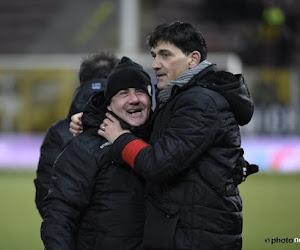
160,225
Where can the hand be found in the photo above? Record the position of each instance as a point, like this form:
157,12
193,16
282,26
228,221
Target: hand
76,124
111,129
243,169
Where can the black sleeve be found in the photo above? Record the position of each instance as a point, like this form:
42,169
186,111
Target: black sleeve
70,190
50,149
186,138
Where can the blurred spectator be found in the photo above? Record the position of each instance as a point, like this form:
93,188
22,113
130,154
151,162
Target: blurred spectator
93,72
272,34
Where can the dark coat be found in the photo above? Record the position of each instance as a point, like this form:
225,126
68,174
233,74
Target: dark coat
57,136
93,203
192,200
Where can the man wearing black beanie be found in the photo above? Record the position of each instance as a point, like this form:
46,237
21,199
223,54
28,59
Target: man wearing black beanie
93,202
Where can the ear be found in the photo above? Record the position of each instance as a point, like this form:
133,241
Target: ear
195,58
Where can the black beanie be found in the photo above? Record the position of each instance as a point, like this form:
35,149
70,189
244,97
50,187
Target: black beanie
127,74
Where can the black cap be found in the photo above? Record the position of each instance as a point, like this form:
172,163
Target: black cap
127,74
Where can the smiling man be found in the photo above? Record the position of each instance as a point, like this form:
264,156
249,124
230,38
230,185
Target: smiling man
93,202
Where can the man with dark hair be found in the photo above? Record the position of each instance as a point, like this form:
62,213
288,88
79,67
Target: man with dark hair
193,160
93,72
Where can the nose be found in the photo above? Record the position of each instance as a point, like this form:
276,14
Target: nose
133,98
156,64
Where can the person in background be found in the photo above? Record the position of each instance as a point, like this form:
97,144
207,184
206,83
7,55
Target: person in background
93,72
94,203
191,164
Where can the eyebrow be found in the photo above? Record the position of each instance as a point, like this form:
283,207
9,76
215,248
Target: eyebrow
161,51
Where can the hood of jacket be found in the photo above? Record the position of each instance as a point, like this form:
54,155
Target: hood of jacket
83,93
94,114
234,88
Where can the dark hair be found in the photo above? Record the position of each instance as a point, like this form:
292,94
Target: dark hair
183,35
98,65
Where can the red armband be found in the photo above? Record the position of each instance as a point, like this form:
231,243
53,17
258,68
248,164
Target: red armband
131,150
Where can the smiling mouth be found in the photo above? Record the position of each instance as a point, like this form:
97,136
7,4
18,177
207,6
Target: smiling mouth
134,111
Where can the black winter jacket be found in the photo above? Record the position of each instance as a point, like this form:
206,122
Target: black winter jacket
93,203
57,136
192,200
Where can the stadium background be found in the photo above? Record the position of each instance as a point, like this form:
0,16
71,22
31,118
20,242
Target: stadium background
42,43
